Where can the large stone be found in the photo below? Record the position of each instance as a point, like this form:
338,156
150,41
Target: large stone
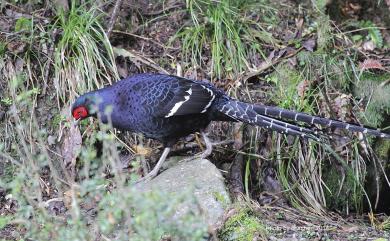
200,177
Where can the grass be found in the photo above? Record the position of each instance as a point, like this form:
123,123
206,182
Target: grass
83,57
228,30
314,178
123,211
224,35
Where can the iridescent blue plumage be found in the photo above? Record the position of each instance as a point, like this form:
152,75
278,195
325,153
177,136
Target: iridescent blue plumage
166,107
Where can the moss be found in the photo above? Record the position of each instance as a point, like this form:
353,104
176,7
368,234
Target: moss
374,76
287,81
7,172
382,149
243,226
345,198
371,87
220,198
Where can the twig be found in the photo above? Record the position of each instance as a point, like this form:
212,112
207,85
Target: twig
144,38
238,164
163,10
22,11
114,17
269,63
49,61
134,57
47,203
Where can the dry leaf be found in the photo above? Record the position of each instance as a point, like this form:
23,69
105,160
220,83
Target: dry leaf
369,46
69,195
292,61
350,229
51,140
309,44
141,150
111,218
299,23
342,107
71,146
302,87
370,64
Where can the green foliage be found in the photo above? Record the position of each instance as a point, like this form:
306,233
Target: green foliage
342,194
83,57
23,24
226,29
287,81
123,211
3,48
324,32
310,186
334,70
6,101
371,89
373,33
367,31
243,226
382,147
320,5
152,210
4,220
385,225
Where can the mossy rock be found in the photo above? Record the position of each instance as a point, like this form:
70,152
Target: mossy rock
342,194
244,225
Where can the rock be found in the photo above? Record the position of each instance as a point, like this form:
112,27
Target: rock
203,179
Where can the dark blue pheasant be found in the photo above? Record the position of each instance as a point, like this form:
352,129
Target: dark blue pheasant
166,107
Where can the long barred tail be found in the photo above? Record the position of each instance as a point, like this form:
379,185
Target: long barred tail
272,118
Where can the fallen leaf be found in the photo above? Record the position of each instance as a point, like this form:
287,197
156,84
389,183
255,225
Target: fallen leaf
355,7
351,9
370,64
122,71
141,150
341,106
309,44
16,47
369,46
71,146
350,229
302,87
292,61
51,140
111,218
69,196
299,23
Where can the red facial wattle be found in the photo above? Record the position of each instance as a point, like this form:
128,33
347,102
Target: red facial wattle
80,112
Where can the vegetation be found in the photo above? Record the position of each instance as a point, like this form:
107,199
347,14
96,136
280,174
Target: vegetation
62,183
230,30
243,226
83,56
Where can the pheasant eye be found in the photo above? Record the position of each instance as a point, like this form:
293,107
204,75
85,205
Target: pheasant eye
80,112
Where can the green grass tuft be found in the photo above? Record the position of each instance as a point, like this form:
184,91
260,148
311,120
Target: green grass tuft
229,30
83,57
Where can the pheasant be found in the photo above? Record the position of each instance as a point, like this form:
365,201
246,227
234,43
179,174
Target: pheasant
167,107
